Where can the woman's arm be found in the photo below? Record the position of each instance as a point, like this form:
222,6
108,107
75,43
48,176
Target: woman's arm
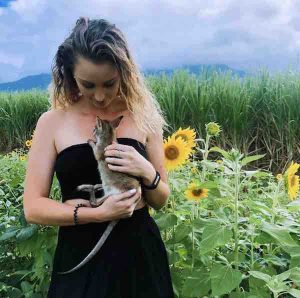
157,197
38,207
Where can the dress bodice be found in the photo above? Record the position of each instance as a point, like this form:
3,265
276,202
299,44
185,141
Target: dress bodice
76,165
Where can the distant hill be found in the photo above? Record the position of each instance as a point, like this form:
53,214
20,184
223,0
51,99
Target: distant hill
197,69
42,81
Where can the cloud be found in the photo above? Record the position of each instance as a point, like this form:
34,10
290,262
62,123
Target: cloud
164,33
14,60
29,10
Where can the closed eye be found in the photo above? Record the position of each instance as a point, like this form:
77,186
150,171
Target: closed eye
91,86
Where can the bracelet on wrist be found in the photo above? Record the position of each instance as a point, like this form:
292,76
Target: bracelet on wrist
154,184
75,213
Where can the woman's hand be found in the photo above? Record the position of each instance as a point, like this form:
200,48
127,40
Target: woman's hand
74,202
120,205
126,159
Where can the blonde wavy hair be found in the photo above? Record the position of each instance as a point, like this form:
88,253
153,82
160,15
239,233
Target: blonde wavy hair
100,41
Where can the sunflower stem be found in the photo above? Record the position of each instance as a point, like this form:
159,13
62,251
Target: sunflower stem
173,212
206,147
193,213
205,156
173,232
236,216
274,205
252,251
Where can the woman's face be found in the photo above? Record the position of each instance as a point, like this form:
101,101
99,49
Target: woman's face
98,83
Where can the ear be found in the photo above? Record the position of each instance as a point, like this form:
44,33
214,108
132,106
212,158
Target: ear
115,123
98,122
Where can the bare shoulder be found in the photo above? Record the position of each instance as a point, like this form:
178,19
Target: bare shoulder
43,143
50,117
155,153
49,122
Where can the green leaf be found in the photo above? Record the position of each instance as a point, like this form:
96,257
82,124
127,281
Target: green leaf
258,288
177,280
214,235
231,255
26,286
284,275
295,275
280,234
14,293
208,184
166,221
263,276
223,152
197,284
22,219
239,295
294,292
181,231
9,234
27,232
295,261
248,159
224,279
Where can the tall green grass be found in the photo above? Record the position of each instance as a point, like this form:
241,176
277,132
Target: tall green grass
19,112
258,114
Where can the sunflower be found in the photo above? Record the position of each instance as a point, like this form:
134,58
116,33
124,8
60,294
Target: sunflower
292,180
188,135
151,211
176,152
193,192
28,143
213,129
194,170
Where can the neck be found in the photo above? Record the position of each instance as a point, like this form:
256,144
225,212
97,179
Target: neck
85,108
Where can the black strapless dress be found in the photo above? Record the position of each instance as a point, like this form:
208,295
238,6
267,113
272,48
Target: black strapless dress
133,261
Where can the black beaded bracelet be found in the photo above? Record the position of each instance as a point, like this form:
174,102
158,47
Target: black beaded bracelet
75,213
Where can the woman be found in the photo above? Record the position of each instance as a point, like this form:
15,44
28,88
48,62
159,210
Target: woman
94,75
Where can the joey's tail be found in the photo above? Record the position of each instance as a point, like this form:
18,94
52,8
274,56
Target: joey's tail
95,249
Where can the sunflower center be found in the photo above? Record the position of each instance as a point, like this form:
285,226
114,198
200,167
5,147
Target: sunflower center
184,137
197,192
293,181
172,152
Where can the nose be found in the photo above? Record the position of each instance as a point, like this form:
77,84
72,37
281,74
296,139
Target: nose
99,96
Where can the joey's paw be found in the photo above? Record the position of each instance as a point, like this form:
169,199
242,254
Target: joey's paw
85,187
101,200
91,143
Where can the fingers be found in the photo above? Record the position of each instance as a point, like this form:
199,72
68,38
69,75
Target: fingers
125,195
135,199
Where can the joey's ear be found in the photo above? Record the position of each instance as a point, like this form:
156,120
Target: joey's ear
115,123
98,122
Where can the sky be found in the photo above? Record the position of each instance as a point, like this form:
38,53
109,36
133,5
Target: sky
246,35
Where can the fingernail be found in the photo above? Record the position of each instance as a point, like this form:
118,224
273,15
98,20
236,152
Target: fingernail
132,190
